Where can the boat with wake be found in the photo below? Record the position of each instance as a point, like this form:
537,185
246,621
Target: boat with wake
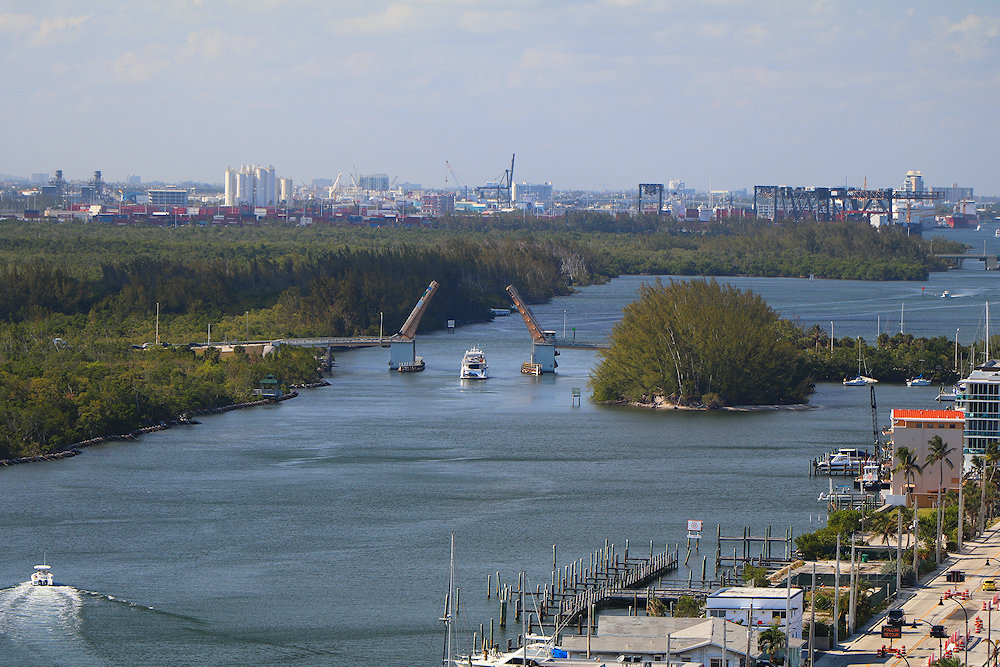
474,365
42,576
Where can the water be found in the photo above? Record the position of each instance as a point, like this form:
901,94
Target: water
316,532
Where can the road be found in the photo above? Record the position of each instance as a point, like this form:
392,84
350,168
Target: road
926,605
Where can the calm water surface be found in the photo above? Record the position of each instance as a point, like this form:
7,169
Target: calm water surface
316,532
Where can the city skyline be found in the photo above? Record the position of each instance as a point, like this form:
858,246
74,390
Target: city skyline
724,94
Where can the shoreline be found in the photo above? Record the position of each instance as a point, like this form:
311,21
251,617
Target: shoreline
661,404
76,448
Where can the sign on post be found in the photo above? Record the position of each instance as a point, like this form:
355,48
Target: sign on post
694,529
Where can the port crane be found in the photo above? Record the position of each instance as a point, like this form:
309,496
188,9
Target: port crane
448,169
501,190
543,343
402,346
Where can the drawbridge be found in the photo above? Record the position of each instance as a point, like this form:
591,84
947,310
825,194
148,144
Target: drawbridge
543,343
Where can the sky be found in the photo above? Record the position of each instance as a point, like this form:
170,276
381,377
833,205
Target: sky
591,94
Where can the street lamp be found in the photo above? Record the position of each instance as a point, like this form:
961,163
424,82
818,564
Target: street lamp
965,640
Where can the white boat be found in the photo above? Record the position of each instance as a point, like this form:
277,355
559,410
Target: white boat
474,365
997,233
843,461
540,650
871,477
42,576
919,381
945,294
861,380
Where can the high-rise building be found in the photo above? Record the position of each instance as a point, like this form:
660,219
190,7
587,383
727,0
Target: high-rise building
40,179
374,182
286,190
978,396
914,182
533,193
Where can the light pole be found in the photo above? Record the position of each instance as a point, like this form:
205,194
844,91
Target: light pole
965,640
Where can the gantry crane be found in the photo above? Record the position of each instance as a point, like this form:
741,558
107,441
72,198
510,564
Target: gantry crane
543,343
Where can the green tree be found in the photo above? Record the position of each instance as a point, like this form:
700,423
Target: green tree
688,607
938,452
771,641
692,339
756,576
906,463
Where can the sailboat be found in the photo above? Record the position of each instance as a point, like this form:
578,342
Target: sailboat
860,380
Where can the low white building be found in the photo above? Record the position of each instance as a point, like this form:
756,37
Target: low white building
758,607
709,642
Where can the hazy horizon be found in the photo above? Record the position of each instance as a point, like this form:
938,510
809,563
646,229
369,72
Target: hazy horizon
600,94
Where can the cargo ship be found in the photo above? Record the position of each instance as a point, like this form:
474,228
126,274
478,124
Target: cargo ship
964,216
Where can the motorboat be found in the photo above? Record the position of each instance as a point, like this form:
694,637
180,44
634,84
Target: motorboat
871,477
945,294
919,381
474,365
42,576
539,651
843,461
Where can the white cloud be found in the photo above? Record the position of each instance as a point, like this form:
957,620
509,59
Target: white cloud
395,18
971,38
488,21
133,67
36,31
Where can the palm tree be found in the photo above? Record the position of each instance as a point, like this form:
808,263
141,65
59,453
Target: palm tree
906,463
938,452
771,641
987,462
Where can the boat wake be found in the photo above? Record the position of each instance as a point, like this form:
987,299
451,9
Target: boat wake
42,625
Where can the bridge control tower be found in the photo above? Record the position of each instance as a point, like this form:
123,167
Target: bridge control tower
543,343
402,346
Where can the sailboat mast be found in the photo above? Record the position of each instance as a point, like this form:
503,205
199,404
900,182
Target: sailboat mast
901,317
448,617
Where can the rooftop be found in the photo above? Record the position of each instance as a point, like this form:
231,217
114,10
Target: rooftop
936,415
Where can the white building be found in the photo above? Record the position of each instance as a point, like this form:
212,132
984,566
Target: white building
710,642
286,190
252,185
914,182
760,607
533,193
978,396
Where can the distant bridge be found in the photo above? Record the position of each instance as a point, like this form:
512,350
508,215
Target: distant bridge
991,261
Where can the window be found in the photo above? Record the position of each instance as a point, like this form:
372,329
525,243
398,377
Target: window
715,662
716,613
